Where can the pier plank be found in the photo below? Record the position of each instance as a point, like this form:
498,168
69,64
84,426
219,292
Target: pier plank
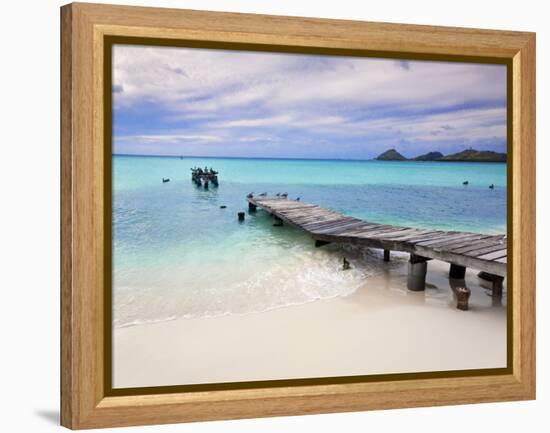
493,241
494,255
486,250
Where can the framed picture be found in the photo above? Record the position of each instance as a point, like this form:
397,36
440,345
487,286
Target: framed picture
267,215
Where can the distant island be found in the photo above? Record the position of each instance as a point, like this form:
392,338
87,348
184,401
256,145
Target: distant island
430,156
469,155
391,155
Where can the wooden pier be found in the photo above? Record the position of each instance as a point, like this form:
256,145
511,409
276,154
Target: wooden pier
487,253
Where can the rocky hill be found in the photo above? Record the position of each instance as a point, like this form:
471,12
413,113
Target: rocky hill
391,155
430,156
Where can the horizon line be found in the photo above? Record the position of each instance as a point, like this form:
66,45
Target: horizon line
287,158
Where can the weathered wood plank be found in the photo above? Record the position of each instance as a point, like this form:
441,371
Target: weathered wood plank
444,239
340,227
450,244
351,231
486,250
399,233
422,234
372,232
333,222
478,245
494,255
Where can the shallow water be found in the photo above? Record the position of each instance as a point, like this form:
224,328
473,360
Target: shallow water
177,254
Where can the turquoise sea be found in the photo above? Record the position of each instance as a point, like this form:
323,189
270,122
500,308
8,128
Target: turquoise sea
177,254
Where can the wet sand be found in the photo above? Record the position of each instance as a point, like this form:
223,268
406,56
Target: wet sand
381,328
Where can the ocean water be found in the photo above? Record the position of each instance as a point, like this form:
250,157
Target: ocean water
176,254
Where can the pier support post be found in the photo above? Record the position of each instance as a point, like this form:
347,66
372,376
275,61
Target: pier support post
462,298
240,215
496,281
319,243
497,286
418,268
386,255
205,184
278,222
251,207
457,272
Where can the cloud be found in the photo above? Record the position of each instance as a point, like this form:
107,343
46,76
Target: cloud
228,101
168,138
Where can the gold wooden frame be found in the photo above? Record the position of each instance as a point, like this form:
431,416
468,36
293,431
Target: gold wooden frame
86,400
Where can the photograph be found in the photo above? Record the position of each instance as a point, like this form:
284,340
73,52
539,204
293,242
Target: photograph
280,216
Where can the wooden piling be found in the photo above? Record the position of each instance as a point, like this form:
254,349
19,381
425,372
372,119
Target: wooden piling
240,215
462,298
386,255
457,272
416,279
251,207
498,286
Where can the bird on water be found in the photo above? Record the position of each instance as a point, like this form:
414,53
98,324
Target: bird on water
465,182
164,180
492,186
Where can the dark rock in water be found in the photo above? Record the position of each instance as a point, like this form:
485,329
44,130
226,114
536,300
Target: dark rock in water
391,155
223,206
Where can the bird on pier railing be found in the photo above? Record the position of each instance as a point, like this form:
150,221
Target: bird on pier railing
250,195
465,182
278,194
492,186
263,194
165,180
297,198
284,195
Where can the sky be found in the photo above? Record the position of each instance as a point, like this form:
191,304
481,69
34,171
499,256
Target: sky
201,102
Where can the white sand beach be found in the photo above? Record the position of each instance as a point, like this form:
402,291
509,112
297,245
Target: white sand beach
380,328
